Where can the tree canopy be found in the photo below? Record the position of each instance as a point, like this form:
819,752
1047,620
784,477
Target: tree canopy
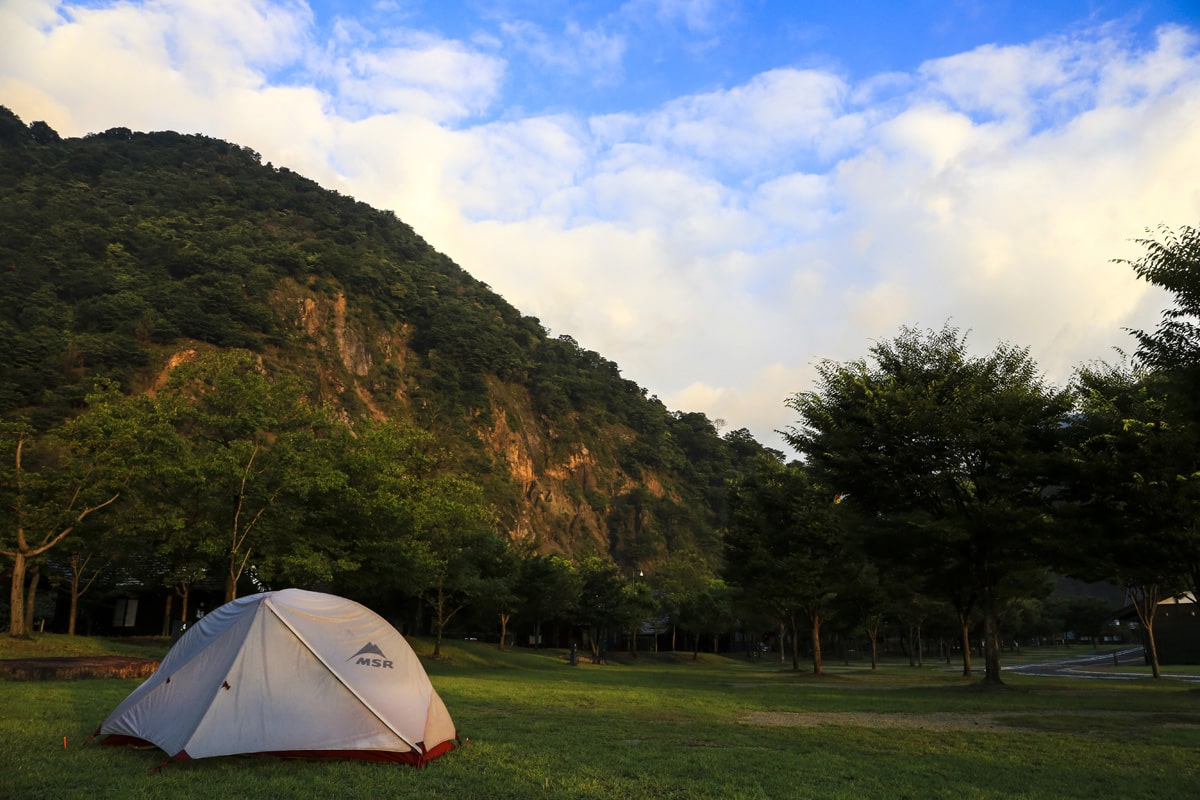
955,450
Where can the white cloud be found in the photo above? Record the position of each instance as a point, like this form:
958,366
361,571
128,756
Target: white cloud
578,50
1015,83
700,16
410,73
748,128
155,65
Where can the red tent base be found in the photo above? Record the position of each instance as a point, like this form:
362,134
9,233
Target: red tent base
416,758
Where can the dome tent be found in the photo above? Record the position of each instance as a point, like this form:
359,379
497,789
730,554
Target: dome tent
291,673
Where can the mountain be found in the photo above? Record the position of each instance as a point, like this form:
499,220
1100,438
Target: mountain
121,253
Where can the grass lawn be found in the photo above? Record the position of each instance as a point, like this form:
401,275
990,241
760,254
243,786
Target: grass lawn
662,727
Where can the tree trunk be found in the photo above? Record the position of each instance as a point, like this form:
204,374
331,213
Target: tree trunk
594,633
1152,650
503,627
439,620
79,586
873,636
35,577
991,639
442,616
74,611
185,592
16,599
795,644
964,621
166,628
815,618
1145,602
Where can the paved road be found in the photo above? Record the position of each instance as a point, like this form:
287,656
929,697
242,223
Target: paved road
1101,666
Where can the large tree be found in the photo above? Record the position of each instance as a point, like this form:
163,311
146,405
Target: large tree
954,449
256,455
1134,488
601,601
707,610
52,482
786,548
549,589
1172,354
679,582
459,553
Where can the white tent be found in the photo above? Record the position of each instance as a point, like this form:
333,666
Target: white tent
292,673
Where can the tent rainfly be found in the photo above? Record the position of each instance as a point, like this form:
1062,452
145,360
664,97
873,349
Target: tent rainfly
288,673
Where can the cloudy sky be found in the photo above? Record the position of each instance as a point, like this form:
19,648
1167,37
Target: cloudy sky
714,195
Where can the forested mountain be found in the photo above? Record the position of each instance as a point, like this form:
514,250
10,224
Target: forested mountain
124,253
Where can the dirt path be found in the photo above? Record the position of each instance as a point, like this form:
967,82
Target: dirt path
66,668
953,721
939,721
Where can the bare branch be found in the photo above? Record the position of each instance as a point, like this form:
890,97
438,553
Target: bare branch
49,542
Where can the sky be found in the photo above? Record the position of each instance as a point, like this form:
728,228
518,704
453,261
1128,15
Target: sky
716,196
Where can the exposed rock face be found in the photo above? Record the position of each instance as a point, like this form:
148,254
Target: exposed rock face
348,352
554,478
326,321
562,490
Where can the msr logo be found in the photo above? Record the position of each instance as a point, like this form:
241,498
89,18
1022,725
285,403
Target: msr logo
371,649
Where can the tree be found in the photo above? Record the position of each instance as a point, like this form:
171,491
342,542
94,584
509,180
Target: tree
1133,489
601,598
501,575
1086,617
1172,353
411,527
1173,264
456,557
54,481
254,452
549,588
785,548
637,605
83,568
706,610
679,581
865,602
954,450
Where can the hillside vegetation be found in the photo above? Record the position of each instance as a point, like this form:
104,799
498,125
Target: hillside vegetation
125,253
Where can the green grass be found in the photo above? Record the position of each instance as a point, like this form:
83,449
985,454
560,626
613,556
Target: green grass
665,727
56,644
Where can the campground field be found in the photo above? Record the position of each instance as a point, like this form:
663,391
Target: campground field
663,726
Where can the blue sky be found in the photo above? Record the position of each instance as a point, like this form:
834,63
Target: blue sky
714,195
605,57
